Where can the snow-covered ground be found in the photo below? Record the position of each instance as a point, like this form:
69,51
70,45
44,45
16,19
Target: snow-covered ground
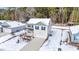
4,38
9,42
12,45
53,42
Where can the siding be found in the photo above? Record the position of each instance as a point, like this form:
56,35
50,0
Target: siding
15,29
0,29
41,33
6,30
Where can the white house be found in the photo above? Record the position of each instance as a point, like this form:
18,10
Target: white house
12,26
38,27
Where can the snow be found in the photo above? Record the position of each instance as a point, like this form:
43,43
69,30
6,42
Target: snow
21,32
74,29
12,23
2,21
36,20
60,27
11,45
0,26
66,47
15,24
4,38
53,43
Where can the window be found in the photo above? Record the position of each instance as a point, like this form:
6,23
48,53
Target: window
17,30
32,26
37,27
29,25
43,28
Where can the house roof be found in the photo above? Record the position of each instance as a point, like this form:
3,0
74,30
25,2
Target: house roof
74,29
11,23
15,24
2,21
42,21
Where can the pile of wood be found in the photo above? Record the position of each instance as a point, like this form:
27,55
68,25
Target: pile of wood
25,37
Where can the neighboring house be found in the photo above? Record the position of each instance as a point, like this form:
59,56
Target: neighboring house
12,26
1,27
38,27
75,34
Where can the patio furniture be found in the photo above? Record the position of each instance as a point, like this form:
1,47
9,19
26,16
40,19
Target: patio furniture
25,37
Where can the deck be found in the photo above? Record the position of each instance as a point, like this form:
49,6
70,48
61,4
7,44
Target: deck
34,45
